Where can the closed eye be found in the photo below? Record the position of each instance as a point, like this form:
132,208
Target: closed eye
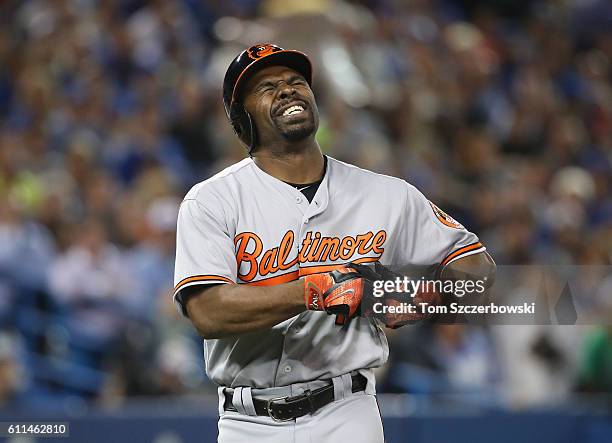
264,87
268,86
297,81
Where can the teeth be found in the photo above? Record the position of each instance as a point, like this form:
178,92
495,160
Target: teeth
293,110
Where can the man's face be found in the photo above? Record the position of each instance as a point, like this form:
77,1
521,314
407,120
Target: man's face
282,105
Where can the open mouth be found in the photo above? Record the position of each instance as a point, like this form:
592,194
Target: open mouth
291,109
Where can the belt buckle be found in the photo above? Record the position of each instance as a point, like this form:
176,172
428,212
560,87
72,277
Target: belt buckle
271,414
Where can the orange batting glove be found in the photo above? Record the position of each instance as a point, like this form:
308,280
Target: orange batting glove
337,292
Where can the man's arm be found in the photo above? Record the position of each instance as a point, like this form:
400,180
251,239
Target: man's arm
473,267
229,309
234,309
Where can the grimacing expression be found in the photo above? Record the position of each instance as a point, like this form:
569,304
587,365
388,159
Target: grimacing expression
281,102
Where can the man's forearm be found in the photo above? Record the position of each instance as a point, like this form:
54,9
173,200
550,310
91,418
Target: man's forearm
224,310
473,267
478,268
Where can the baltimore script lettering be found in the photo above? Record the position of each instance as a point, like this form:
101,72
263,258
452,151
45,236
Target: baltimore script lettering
315,248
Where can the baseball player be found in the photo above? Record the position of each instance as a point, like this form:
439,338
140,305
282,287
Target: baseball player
261,263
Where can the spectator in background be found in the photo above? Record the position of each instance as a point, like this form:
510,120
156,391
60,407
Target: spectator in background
596,373
23,240
12,376
90,280
445,359
151,259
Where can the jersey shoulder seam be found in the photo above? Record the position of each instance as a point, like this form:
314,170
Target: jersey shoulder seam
219,176
395,180
367,171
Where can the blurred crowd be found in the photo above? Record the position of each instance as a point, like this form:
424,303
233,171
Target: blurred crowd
499,111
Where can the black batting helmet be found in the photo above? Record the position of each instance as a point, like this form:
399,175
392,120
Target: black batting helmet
243,67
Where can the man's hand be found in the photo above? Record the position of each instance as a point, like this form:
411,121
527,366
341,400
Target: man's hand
392,301
338,292
348,292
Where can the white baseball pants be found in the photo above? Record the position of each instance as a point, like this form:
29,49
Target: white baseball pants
352,417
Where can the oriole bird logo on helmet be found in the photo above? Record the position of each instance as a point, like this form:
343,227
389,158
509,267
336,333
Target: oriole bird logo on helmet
256,52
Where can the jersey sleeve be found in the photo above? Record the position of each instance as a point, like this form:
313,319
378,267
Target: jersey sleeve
433,237
204,248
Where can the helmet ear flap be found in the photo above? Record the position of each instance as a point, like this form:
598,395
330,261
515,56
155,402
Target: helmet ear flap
243,125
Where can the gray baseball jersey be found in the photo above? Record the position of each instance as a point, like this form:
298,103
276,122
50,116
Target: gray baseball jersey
243,226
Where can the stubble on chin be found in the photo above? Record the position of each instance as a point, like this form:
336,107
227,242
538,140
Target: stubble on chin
295,133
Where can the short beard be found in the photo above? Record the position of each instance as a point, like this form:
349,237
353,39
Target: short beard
296,134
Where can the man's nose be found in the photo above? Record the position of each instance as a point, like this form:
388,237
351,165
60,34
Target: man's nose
286,91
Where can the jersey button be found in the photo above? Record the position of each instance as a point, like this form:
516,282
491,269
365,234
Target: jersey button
298,200
306,221
287,369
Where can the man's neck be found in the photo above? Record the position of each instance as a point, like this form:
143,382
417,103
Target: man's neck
296,166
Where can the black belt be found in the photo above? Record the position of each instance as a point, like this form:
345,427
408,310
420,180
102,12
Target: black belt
288,408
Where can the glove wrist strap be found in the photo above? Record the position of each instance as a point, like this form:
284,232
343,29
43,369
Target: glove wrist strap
314,288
